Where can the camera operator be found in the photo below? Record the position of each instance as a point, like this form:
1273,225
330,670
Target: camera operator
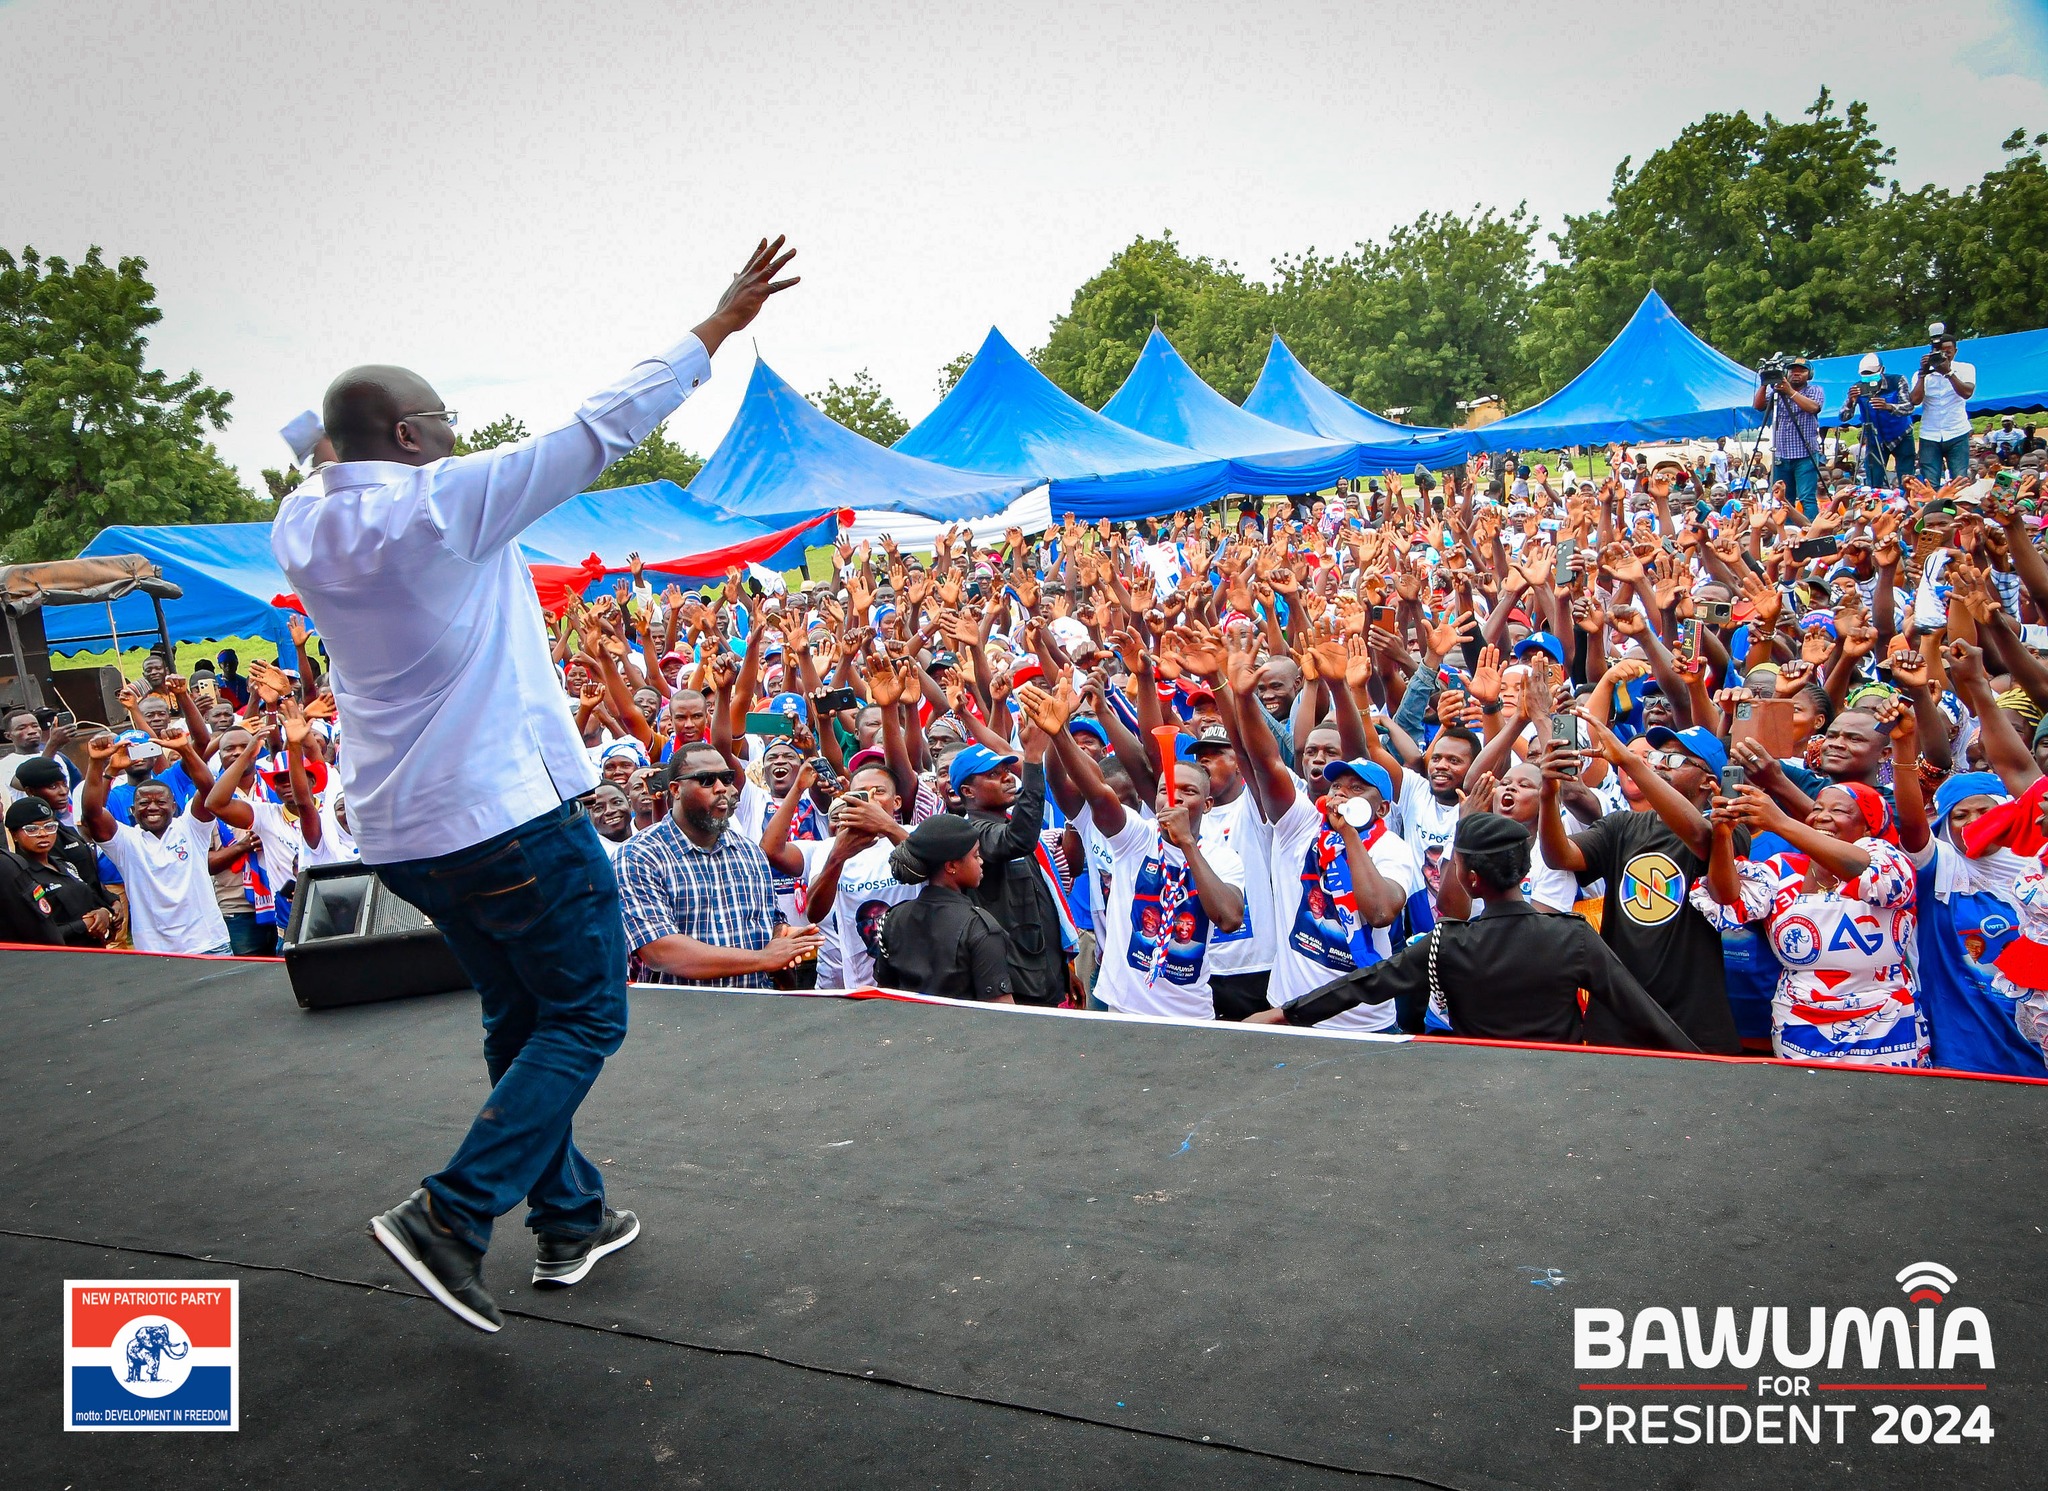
1881,403
1942,390
1785,386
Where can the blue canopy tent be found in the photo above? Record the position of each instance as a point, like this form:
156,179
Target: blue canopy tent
2012,372
1004,415
1289,394
231,583
1165,398
1655,381
225,570
782,458
664,522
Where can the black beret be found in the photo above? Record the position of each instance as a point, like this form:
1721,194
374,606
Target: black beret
942,838
1489,833
36,773
26,810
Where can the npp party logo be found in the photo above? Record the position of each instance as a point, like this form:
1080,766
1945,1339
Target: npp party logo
152,1354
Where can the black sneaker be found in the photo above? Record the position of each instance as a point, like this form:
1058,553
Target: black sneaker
565,1260
442,1263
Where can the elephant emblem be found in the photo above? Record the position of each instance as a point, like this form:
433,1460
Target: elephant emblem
146,1350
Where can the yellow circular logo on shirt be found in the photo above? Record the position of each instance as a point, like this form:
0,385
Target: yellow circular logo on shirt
1652,889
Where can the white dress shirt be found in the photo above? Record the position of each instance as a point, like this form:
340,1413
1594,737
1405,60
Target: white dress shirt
458,728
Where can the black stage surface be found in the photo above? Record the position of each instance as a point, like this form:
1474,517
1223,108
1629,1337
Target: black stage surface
896,1244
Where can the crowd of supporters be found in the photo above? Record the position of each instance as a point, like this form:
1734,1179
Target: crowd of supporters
1782,748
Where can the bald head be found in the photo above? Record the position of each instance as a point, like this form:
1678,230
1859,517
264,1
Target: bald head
369,413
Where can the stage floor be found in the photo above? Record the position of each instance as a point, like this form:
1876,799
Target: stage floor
900,1244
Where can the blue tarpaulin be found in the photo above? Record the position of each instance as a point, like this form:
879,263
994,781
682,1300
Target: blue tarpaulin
1289,394
1655,381
2012,372
1004,415
225,570
1165,398
230,581
783,459
661,520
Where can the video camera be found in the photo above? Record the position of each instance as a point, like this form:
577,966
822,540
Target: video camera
1773,370
1934,360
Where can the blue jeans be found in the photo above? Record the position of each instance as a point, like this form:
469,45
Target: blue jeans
1801,476
533,917
1878,467
1942,459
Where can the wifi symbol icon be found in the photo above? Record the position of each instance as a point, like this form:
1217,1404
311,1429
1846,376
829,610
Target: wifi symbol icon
1929,1281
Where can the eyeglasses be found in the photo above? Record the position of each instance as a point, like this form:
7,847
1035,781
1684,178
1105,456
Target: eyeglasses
447,415
711,778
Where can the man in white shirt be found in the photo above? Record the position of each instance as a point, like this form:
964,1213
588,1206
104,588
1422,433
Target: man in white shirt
851,884
407,559
1165,898
1238,842
162,855
1942,390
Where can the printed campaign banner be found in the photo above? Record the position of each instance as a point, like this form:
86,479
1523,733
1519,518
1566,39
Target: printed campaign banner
152,1355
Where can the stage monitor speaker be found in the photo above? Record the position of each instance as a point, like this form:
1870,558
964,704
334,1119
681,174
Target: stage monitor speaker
352,940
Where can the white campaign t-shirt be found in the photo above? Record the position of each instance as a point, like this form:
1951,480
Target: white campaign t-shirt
1428,826
1238,844
11,789
1316,913
1943,412
1154,933
171,904
866,891
1101,863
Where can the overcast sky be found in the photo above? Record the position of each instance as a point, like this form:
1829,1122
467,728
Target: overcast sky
519,200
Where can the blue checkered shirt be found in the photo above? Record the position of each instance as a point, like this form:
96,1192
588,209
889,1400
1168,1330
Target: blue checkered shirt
1794,432
724,896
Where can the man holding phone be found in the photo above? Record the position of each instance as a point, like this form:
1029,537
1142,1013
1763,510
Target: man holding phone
32,740
407,559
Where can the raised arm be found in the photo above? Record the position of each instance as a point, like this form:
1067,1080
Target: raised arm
483,502
221,800
101,754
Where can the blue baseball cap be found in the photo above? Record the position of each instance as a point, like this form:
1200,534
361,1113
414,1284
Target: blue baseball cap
134,737
1698,742
793,705
1083,725
973,761
1543,640
1369,772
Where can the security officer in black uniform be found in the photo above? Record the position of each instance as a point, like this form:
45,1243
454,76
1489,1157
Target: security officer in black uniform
942,943
1512,973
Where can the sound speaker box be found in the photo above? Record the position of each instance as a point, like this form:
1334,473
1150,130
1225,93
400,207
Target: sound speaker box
353,941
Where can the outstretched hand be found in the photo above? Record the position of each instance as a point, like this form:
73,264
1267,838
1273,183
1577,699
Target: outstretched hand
748,292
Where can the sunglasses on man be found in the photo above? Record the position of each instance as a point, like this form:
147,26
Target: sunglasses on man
710,778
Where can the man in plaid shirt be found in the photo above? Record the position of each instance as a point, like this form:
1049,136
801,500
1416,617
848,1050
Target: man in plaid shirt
697,897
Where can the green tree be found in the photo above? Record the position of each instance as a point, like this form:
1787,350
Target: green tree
2003,253
1434,315
501,431
952,372
862,407
281,484
1754,231
90,436
657,458
1214,316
